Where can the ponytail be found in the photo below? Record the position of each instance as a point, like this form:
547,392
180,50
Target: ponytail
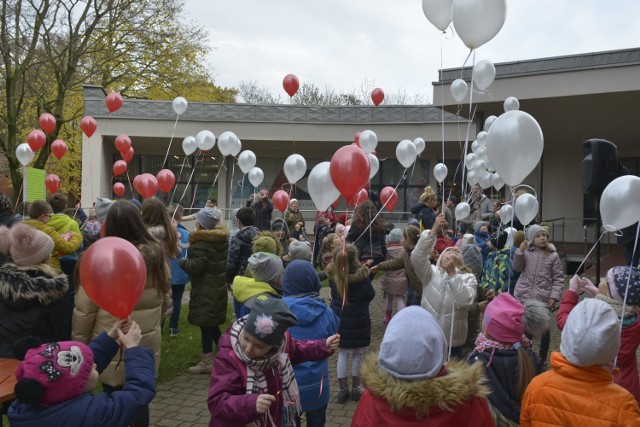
526,372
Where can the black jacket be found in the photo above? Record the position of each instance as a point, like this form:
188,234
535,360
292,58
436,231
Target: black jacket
240,249
425,214
369,244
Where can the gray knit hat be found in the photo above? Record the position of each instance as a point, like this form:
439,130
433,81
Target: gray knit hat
102,208
208,218
265,267
26,245
533,230
394,236
478,224
268,320
300,250
415,329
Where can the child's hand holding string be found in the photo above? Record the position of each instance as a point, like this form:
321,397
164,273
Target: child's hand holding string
264,402
333,342
122,324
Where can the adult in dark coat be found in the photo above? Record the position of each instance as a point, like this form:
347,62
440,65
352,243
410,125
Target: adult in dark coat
263,208
423,211
240,246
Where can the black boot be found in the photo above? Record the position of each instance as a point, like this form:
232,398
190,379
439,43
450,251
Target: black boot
356,389
343,394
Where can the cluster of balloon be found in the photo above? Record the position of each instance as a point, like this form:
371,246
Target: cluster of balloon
291,84
36,139
52,182
349,170
321,188
119,189
128,156
47,122
229,144
58,148
247,161
377,96
123,143
146,185
620,203
389,198
406,153
113,275
166,180
113,102
280,200
88,125
119,167
256,176
295,167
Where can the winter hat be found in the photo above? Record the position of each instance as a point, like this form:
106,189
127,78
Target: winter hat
447,249
300,278
472,258
617,278
591,335
504,319
511,232
454,199
278,224
478,224
394,236
413,346
533,230
268,320
292,201
266,241
61,370
102,207
300,250
208,218
5,204
137,203
265,267
26,245
499,241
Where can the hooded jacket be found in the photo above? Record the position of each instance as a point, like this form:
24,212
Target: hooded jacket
394,282
403,262
206,263
456,398
569,395
541,276
355,321
178,275
63,223
292,218
240,249
497,271
61,246
32,303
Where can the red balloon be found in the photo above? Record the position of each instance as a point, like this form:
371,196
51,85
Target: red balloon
119,167
128,155
58,148
146,185
377,96
166,179
349,169
360,197
88,125
291,84
47,122
113,102
36,139
356,139
389,198
52,182
123,143
280,200
113,274
118,189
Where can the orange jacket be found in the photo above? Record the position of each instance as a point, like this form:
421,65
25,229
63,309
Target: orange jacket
569,395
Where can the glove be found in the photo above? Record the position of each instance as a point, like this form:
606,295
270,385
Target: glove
589,288
574,283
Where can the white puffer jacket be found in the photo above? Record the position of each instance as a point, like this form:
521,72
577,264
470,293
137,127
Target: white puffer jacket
447,297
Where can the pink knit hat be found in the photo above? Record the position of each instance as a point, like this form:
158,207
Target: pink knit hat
62,368
26,245
504,319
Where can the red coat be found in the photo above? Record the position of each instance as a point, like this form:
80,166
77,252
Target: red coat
629,343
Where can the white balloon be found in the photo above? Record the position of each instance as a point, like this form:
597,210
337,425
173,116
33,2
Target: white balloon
321,189
478,21
368,141
620,203
480,165
505,212
459,90
485,180
482,151
438,12
374,165
180,105
511,103
236,148
469,160
420,145
247,161
472,177
24,154
462,210
228,143
256,176
406,153
489,122
474,146
483,74
295,167
189,145
440,172
497,182
205,140
514,146
482,138
526,208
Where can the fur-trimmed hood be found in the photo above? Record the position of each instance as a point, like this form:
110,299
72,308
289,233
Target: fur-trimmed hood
461,382
361,273
22,287
215,235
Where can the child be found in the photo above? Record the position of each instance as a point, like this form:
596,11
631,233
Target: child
90,229
541,275
481,234
56,381
578,390
497,268
506,353
351,293
266,269
206,266
179,278
409,383
252,379
611,290
394,283
300,288
448,289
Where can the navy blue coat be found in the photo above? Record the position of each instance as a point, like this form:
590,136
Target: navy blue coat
425,214
240,249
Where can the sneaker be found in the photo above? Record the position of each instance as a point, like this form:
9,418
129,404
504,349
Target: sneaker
173,332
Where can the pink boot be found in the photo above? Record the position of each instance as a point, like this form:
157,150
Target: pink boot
387,317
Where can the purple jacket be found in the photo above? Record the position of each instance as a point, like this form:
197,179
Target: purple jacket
542,276
228,402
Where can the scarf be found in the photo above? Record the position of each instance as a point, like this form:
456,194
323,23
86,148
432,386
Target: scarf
630,311
483,343
277,360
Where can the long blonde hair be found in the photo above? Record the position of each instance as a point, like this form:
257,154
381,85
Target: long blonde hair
344,260
428,195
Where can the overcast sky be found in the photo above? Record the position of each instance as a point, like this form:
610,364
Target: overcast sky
341,42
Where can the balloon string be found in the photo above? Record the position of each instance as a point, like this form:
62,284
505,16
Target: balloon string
589,253
233,171
130,186
408,184
442,100
466,141
222,165
195,163
170,141
15,208
175,188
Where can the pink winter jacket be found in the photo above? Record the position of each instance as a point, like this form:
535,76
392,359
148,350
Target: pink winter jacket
541,275
394,282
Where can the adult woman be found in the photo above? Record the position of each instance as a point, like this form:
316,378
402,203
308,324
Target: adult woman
367,233
424,211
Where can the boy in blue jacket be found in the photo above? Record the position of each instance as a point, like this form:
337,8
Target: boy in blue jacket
56,381
179,277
